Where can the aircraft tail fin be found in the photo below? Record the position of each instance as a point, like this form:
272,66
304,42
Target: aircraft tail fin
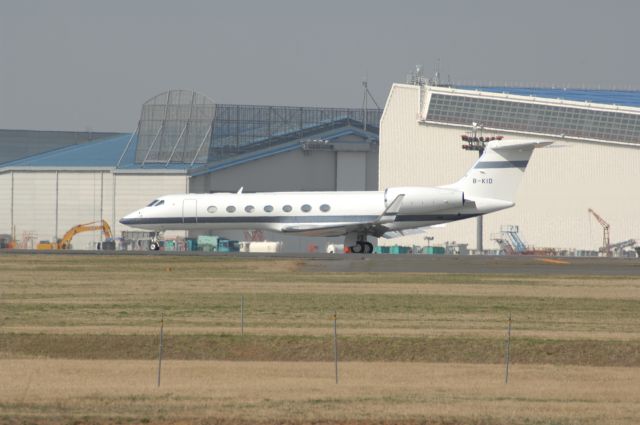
499,171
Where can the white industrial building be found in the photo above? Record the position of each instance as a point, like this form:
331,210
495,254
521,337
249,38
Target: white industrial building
595,162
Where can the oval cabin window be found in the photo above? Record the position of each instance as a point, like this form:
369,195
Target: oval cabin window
249,208
268,208
306,208
325,208
212,209
231,209
287,208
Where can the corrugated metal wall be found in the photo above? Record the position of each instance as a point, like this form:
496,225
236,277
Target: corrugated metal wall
560,183
5,203
34,203
82,197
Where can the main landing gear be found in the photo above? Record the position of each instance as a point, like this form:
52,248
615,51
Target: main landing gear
357,243
362,248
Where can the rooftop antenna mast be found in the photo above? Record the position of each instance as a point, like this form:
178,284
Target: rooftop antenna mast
417,78
436,77
365,96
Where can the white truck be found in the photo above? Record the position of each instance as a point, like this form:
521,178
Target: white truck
335,248
263,246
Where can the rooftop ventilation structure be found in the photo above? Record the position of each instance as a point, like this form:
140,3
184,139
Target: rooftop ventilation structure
175,127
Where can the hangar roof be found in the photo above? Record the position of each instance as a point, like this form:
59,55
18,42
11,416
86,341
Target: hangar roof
101,153
120,152
16,144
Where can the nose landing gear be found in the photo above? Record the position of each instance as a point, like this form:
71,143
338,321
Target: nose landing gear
154,245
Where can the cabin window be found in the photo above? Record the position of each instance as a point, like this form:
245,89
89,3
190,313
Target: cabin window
268,208
212,209
231,209
152,203
287,208
325,208
306,208
249,208
159,203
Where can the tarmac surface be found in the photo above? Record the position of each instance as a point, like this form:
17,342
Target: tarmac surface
385,263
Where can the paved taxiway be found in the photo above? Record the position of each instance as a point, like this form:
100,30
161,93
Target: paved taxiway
414,263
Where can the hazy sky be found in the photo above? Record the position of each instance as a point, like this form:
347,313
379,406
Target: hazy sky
76,65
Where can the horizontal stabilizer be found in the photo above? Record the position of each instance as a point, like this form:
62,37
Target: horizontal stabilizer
503,145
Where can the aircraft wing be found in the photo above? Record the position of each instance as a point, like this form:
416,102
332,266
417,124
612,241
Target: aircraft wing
375,227
408,232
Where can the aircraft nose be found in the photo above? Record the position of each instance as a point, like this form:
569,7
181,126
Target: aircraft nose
131,218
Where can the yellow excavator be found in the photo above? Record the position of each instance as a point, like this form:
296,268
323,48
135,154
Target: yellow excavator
65,242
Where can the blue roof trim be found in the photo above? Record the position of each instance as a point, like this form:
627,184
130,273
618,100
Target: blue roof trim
607,97
346,132
101,153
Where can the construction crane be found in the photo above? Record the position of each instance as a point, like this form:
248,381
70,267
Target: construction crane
606,245
65,242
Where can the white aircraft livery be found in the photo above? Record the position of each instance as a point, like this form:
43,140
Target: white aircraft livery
489,186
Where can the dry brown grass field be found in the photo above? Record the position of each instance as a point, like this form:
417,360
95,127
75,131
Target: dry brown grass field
79,343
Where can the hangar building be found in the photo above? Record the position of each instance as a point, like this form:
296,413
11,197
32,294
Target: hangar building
184,142
595,162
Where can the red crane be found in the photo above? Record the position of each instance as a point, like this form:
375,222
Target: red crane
606,246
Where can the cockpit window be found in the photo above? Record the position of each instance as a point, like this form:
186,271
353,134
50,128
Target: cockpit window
155,203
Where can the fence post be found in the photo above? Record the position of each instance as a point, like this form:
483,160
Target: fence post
335,343
160,350
241,315
508,352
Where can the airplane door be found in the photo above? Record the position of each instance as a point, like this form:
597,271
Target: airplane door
189,211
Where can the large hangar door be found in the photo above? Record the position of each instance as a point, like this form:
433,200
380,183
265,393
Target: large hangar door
189,211
352,171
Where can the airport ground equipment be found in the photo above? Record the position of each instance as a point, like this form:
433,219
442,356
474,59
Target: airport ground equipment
6,242
618,248
512,232
65,242
509,240
260,246
137,240
606,245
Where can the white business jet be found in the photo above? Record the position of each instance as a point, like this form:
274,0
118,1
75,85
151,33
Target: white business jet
489,186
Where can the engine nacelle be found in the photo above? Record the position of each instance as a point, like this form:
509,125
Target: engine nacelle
424,199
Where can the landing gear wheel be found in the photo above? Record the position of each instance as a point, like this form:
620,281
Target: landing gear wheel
368,247
357,248
154,246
